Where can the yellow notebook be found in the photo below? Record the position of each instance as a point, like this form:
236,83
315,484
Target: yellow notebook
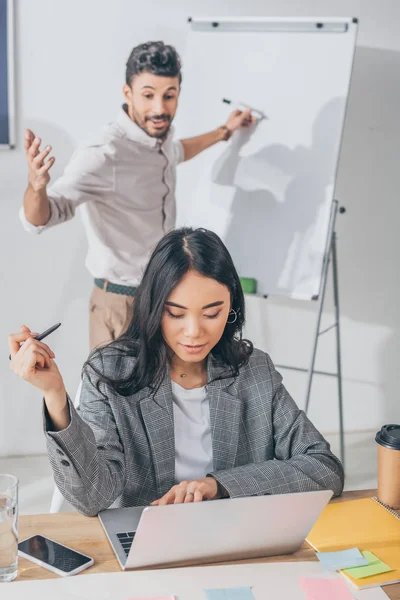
366,524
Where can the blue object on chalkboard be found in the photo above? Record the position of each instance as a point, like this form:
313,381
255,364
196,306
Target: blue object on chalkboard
6,74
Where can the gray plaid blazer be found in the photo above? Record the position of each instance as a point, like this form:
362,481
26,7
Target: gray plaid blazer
120,451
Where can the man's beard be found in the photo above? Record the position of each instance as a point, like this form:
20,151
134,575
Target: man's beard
142,123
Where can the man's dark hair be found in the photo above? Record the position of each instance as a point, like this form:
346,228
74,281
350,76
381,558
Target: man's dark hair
153,57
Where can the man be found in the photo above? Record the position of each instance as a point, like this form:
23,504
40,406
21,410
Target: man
124,183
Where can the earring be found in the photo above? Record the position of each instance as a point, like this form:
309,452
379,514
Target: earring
232,312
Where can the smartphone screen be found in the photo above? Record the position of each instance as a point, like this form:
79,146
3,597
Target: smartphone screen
53,554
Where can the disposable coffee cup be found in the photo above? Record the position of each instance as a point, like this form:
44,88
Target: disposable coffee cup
388,440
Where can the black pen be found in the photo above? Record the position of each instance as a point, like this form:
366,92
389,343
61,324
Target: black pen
44,334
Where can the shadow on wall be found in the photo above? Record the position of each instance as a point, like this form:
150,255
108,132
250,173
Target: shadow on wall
368,245
280,232
368,237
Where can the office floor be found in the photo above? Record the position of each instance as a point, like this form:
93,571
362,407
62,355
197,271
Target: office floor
36,482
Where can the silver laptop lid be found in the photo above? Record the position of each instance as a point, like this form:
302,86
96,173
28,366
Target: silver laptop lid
228,529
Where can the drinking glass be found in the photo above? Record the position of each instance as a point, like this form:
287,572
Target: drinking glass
8,527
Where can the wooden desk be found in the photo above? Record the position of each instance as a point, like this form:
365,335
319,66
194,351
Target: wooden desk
87,535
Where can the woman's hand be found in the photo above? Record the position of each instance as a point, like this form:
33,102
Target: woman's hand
190,491
33,361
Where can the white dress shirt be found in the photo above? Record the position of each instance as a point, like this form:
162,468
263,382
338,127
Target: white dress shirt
193,442
125,185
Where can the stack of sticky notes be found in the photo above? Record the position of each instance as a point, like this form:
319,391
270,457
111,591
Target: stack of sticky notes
374,567
367,525
353,564
342,559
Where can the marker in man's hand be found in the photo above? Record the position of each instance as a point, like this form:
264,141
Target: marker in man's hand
242,107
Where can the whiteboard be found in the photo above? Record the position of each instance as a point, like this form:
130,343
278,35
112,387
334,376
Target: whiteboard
268,192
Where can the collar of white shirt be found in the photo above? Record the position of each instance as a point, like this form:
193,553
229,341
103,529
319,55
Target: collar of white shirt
135,133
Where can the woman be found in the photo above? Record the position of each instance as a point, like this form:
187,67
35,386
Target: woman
180,408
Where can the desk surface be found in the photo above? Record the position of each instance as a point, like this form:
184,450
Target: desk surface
87,535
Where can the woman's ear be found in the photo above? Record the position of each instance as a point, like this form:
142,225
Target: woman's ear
232,316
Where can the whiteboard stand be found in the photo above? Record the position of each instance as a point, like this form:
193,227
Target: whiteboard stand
330,253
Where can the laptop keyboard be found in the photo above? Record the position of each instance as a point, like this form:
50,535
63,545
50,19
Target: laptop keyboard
126,539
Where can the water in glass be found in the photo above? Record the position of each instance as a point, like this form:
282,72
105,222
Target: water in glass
8,532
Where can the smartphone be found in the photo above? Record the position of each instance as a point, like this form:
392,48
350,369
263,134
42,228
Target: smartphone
53,556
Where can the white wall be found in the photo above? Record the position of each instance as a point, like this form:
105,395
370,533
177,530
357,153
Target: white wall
70,60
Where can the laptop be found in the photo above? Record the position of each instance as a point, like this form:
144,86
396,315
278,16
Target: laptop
212,531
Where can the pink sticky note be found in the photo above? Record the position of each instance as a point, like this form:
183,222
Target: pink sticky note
325,589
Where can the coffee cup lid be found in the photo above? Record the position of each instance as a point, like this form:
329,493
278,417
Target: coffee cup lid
389,436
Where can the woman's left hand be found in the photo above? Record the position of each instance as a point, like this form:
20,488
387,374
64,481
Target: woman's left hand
190,491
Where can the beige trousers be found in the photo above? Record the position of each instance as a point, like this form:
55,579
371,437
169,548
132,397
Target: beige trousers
109,316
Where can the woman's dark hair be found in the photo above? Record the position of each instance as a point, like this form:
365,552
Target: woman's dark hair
153,57
178,252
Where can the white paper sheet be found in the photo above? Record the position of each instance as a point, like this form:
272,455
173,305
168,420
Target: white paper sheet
275,581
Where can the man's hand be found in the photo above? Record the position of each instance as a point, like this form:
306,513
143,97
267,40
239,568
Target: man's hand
190,491
240,118
38,169
237,119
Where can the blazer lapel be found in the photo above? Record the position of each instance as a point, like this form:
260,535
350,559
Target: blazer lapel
225,413
157,413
